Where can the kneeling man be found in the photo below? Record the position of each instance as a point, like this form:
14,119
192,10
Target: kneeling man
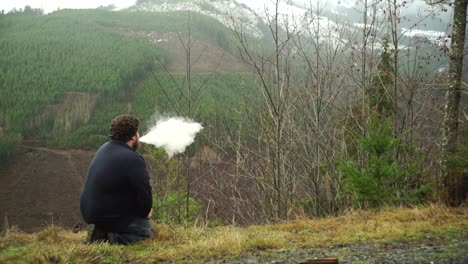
116,200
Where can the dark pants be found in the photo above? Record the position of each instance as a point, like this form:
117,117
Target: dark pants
138,229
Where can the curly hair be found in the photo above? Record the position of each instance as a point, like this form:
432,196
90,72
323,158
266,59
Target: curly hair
123,128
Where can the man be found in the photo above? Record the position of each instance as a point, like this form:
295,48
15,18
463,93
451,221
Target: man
116,200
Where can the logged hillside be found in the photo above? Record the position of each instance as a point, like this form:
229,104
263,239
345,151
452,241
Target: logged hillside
42,187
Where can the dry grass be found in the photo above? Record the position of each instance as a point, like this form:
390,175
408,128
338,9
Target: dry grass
197,244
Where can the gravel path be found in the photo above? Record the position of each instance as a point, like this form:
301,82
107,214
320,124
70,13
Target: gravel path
432,250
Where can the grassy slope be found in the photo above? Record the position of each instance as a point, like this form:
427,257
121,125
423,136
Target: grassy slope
201,243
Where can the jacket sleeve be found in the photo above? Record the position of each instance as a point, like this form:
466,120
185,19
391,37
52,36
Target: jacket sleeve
139,179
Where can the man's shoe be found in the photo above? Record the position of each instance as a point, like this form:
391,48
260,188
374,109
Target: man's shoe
96,234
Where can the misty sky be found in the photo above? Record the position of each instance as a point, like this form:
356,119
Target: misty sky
51,5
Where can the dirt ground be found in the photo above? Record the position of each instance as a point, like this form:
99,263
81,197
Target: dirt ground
42,187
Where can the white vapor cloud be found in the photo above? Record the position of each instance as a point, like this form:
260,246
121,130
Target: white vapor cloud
173,134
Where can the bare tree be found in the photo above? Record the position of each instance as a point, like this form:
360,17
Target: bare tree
308,120
275,180
325,57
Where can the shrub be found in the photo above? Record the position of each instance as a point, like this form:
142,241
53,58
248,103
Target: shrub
172,209
382,180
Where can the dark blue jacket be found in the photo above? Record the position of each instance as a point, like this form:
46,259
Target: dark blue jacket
117,188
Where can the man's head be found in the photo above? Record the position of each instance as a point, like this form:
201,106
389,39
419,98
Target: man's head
124,128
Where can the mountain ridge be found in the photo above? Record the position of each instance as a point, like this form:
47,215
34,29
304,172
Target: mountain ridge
254,16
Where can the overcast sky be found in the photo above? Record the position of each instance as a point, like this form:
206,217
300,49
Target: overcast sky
51,5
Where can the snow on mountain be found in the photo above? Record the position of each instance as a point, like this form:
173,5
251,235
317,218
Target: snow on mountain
254,15
347,3
294,17
223,11
437,37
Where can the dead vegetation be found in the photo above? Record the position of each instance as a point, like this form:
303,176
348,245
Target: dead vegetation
200,243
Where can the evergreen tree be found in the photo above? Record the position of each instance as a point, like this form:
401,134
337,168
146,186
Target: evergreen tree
378,97
381,180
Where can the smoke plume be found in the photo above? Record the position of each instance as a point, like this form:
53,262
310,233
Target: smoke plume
173,134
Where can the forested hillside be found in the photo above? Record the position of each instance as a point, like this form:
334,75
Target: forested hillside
96,55
45,56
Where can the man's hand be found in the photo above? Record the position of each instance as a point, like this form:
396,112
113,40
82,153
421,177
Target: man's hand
150,214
